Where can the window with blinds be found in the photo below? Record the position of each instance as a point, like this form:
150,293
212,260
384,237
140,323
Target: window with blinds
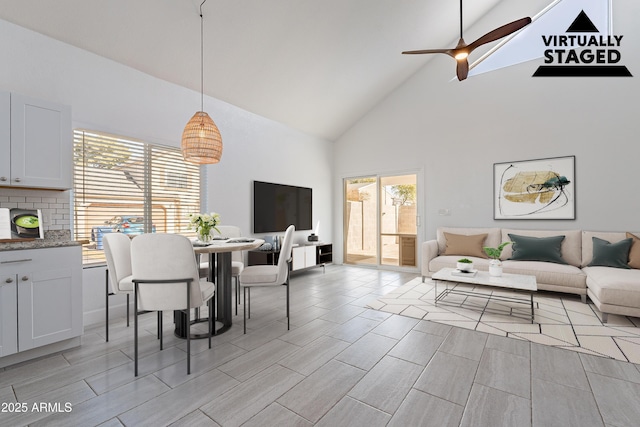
132,187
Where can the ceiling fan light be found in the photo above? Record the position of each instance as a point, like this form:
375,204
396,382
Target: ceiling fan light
201,140
461,55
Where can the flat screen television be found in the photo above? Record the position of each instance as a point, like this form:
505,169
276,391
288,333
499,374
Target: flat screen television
276,206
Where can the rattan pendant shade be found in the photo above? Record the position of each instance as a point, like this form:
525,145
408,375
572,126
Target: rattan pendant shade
201,140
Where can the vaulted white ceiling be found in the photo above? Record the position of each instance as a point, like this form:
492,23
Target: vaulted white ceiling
314,65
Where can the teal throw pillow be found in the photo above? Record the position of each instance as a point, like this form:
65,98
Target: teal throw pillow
526,248
608,254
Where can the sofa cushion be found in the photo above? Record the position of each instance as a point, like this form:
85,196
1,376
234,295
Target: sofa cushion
570,250
527,248
548,272
587,242
493,235
607,254
614,286
634,253
466,245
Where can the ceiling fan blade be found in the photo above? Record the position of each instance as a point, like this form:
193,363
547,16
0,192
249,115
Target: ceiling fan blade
462,70
418,52
500,32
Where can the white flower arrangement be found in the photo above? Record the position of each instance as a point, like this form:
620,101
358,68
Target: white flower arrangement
203,223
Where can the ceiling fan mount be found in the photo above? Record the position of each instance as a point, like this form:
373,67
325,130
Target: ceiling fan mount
463,50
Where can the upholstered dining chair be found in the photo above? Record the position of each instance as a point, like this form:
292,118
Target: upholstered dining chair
237,261
268,275
117,249
165,277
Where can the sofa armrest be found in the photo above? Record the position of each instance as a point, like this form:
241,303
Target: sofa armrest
429,252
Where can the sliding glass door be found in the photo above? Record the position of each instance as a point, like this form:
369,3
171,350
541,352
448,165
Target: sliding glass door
360,222
380,220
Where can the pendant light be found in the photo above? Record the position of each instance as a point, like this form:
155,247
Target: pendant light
201,140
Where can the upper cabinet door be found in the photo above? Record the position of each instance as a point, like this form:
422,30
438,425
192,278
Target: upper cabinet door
41,144
5,138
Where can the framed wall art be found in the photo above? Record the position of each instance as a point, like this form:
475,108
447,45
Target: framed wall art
535,189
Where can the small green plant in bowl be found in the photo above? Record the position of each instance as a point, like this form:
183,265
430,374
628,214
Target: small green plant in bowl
464,264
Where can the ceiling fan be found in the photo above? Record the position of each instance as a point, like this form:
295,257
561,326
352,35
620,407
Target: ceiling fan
462,50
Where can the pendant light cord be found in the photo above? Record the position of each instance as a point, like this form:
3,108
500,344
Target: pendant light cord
460,18
202,58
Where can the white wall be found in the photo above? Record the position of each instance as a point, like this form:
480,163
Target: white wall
110,97
455,131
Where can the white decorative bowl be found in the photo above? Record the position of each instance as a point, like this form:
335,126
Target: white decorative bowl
464,266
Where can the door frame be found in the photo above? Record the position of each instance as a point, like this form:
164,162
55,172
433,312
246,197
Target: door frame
420,199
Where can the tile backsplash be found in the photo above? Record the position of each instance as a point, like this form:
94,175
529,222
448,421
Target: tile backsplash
55,205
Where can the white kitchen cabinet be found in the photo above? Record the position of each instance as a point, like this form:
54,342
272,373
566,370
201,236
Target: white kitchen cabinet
39,151
303,257
5,138
8,316
45,286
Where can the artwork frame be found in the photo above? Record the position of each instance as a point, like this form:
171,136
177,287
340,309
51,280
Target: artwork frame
535,189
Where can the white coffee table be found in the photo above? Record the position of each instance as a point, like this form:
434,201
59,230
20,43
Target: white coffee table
516,282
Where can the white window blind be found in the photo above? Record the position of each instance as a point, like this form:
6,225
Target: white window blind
132,187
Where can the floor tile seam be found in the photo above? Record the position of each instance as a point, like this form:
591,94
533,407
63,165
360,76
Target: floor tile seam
276,362
439,397
606,355
615,327
608,376
332,406
593,394
568,344
370,406
42,378
14,383
529,398
534,377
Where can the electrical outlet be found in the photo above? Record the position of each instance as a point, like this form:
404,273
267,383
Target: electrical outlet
46,217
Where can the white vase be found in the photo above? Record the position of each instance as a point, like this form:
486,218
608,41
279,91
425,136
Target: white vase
495,268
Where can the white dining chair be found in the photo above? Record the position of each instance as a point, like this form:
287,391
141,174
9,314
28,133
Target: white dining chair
268,275
166,277
117,249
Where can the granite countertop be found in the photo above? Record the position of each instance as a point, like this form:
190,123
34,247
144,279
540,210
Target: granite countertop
52,239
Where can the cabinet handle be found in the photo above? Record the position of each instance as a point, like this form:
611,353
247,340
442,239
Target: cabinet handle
17,180
25,278
17,260
9,280
3,178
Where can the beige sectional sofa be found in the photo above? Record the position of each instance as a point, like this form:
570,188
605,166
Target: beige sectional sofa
612,290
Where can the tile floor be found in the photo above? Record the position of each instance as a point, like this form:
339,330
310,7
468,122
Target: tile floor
561,320
341,364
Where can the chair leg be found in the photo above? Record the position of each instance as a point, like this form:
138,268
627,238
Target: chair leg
188,328
287,304
135,330
210,320
249,302
106,302
127,310
244,308
237,294
160,328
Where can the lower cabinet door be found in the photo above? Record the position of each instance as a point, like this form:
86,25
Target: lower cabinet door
50,298
309,256
8,316
297,258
